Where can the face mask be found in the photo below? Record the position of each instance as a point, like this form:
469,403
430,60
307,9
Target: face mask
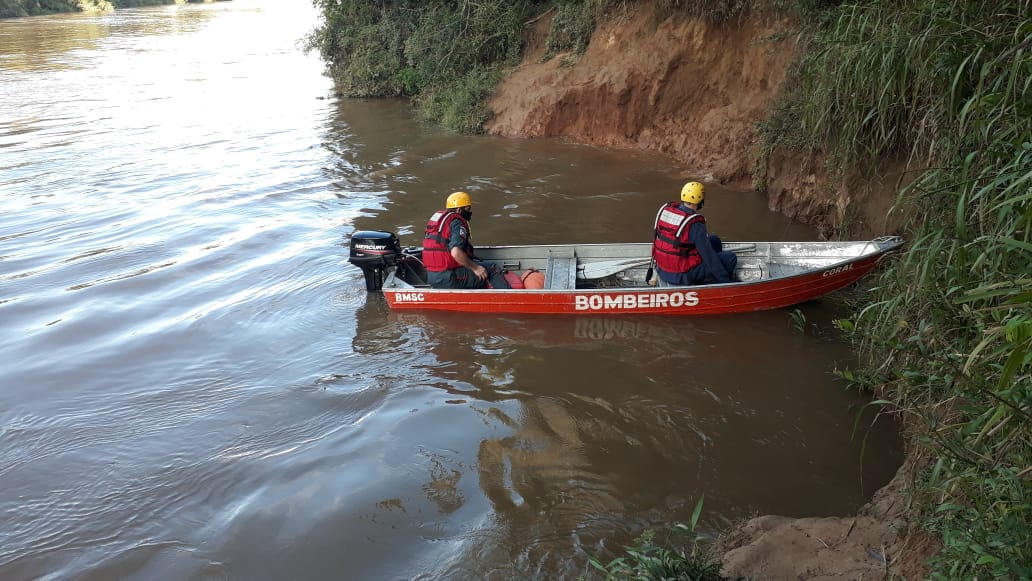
467,214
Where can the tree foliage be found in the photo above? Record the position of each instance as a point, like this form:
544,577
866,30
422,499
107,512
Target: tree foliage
19,8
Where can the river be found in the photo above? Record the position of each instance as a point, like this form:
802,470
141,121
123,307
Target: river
194,383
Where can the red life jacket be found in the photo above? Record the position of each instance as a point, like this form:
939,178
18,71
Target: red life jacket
436,254
672,248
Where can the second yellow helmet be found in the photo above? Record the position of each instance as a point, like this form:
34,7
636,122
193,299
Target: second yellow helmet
693,193
459,200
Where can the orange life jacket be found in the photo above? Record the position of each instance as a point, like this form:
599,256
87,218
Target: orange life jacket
436,254
672,248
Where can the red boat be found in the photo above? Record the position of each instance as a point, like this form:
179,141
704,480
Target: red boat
617,278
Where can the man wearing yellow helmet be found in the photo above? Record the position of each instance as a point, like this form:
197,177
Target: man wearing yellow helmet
683,251
448,252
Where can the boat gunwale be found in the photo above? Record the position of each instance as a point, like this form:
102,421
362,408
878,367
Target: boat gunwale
882,246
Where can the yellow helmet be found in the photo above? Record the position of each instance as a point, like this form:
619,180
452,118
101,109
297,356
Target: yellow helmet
693,193
459,200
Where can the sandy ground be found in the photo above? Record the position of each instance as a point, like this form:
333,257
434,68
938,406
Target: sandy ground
876,543
696,92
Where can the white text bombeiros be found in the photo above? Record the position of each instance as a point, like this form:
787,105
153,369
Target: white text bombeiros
635,301
626,301
605,302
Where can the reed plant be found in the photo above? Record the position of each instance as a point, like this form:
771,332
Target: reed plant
945,86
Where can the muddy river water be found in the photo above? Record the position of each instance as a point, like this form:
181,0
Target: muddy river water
194,384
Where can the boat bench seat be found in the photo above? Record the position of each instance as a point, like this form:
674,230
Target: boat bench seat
561,270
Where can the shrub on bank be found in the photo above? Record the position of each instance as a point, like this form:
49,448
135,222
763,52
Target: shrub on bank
446,55
19,8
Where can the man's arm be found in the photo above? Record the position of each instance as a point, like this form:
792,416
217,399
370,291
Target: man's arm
457,247
711,262
462,258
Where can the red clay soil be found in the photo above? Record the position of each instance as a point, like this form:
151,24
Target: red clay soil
696,91
680,87
692,90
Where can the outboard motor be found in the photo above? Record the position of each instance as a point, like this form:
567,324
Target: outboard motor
374,252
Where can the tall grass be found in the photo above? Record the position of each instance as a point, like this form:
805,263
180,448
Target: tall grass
947,87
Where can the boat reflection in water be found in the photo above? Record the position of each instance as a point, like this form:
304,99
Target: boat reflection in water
582,430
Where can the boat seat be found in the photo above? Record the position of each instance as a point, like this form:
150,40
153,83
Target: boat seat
561,269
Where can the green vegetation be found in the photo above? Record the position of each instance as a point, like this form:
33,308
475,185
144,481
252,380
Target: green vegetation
448,56
571,28
18,8
135,3
650,560
945,86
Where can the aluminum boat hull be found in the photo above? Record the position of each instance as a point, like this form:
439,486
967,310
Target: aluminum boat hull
772,275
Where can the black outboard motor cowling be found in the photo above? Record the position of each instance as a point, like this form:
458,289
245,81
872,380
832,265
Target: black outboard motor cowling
374,252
